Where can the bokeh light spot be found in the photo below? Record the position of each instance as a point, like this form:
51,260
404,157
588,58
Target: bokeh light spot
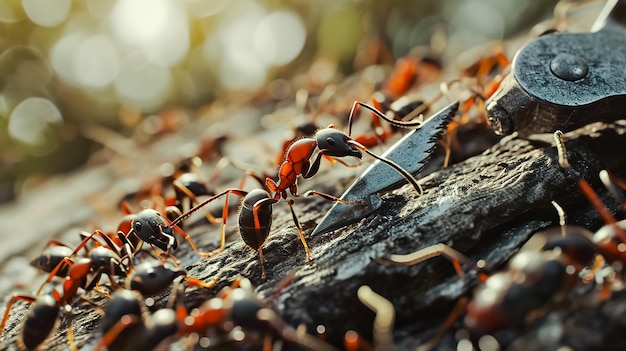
246,72
96,62
62,55
279,37
47,13
30,120
159,27
142,84
240,67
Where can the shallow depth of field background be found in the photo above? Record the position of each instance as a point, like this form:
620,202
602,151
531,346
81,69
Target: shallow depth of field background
69,65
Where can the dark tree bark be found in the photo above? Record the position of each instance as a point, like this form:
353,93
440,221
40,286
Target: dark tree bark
485,207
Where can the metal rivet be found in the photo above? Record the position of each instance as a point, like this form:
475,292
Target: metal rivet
569,67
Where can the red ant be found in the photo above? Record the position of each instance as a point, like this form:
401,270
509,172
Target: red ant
533,277
42,316
124,328
329,143
149,278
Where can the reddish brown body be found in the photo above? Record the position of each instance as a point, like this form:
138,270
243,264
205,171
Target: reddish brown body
297,162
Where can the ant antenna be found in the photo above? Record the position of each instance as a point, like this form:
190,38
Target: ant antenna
562,216
391,164
385,316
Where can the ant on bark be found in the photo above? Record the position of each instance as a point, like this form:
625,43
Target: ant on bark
149,278
125,328
255,220
255,215
330,143
546,269
43,315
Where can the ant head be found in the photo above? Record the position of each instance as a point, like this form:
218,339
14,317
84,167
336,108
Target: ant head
333,142
152,277
108,260
152,228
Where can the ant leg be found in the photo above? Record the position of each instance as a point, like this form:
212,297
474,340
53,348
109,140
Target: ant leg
199,283
399,124
112,334
28,299
393,165
185,190
205,202
585,188
257,227
263,276
331,197
126,208
342,162
93,284
452,317
66,262
164,256
288,333
427,253
70,333
385,316
186,236
126,251
562,217
87,238
174,223
223,229
249,174
611,183
295,220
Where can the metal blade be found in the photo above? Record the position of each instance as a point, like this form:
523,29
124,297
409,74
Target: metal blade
411,153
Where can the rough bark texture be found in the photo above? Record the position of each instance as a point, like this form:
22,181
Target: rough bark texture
485,207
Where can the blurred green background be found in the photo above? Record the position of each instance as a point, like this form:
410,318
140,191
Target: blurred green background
66,65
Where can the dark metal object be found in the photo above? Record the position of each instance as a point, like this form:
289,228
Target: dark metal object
565,81
411,153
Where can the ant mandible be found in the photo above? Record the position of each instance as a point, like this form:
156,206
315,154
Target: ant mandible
330,143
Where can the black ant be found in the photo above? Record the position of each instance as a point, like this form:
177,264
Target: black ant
149,278
124,328
42,316
255,219
153,276
151,227
534,276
